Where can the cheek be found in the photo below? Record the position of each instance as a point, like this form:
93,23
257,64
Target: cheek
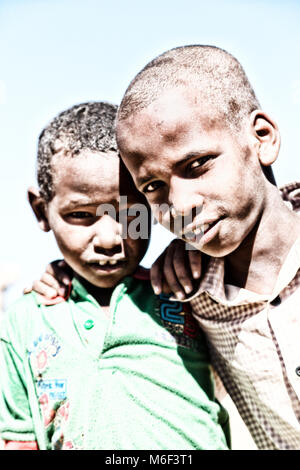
234,184
70,241
244,195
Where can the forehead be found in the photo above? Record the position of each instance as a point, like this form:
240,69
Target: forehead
177,113
180,121
91,176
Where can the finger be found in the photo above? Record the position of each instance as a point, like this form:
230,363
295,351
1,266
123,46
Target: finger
61,271
166,288
170,275
27,290
182,267
50,281
44,290
156,275
195,259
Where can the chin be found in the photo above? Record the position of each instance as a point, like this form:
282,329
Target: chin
107,283
216,250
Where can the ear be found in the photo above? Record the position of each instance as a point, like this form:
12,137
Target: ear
267,135
38,206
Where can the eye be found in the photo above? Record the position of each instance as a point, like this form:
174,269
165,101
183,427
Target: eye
199,162
153,186
80,215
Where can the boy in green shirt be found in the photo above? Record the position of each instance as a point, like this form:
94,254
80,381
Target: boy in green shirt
112,366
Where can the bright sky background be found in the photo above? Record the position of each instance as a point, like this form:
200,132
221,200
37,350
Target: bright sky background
55,53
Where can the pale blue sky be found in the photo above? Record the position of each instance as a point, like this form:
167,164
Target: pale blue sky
55,53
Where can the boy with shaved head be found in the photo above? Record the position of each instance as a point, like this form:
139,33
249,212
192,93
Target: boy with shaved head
191,132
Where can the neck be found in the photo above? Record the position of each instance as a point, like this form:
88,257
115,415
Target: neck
256,263
101,294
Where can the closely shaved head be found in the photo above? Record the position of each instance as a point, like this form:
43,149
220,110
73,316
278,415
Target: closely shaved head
219,77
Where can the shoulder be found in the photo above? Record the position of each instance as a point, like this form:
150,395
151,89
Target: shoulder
18,316
176,316
22,305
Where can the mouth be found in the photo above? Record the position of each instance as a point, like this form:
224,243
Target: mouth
107,265
200,231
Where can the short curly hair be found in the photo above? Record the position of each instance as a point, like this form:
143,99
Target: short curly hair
88,126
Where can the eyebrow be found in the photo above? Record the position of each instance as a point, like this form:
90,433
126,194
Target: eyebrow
142,181
204,153
78,202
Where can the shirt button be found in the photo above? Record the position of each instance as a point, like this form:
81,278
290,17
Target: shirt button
88,324
298,371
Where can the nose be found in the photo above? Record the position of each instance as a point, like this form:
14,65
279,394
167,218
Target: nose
184,196
107,237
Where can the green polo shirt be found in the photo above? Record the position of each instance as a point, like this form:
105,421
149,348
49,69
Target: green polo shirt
73,379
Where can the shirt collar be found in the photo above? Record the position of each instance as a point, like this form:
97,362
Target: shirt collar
77,291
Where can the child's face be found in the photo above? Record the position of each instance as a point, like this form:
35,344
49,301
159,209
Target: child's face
180,155
91,244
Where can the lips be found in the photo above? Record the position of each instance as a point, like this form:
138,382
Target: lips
198,230
107,264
